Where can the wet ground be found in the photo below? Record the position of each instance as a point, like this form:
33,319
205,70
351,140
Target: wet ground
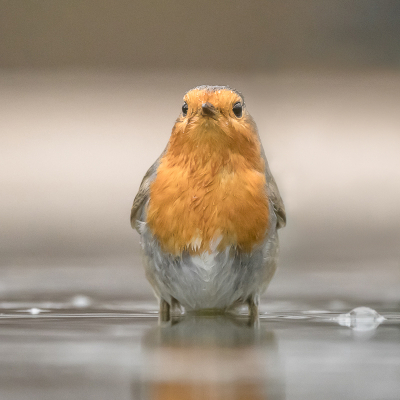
88,329
87,349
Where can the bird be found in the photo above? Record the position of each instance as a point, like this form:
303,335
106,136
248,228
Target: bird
208,210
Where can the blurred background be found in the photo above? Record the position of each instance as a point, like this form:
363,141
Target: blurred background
90,90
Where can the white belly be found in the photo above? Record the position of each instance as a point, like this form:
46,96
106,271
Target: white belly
209,281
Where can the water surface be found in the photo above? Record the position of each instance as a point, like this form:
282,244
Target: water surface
87,349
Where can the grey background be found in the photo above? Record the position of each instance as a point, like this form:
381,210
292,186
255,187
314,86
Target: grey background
89,92
225,35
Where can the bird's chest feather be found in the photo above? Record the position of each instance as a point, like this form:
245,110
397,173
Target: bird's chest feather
207,207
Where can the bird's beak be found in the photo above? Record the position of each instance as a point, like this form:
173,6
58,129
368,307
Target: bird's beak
208,110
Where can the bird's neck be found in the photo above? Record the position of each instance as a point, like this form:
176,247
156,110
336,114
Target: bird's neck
215,152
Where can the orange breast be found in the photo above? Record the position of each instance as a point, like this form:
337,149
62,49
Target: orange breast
200,207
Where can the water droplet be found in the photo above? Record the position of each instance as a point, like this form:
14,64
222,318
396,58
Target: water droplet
361,319
81,301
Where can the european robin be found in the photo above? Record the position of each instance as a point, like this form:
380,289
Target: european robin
208,209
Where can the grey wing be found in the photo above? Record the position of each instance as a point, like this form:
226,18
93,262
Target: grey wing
274,194
142,196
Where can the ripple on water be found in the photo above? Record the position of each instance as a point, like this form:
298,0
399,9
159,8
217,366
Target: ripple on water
360,319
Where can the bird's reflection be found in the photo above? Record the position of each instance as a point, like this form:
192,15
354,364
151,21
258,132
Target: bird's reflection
214,357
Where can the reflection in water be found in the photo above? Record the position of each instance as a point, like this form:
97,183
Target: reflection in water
210,358
116,351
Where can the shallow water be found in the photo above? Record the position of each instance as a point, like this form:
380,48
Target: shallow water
88,349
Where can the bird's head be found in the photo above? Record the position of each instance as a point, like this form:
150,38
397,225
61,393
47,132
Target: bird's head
214,117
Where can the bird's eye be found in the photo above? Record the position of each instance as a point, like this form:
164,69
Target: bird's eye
237,109
185,109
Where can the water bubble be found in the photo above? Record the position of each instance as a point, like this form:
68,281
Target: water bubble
361,319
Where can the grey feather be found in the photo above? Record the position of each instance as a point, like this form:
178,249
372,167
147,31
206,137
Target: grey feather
142,196
273,194
272,188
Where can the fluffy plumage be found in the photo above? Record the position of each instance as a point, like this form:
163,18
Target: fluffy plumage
209,208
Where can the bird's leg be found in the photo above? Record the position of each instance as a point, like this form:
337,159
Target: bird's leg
164,314
175,310
253,310
175,305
